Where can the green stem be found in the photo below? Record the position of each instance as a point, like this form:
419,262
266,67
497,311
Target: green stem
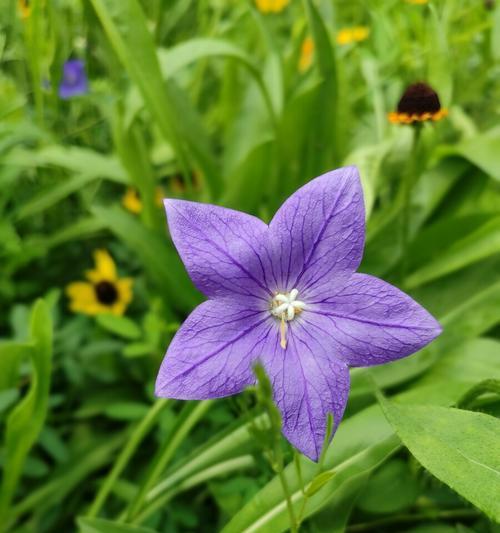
324,449
407,185
294,525
165,455
136,438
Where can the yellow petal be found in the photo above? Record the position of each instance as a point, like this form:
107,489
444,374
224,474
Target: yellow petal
82,297
131,201
271,6
124,287
105,268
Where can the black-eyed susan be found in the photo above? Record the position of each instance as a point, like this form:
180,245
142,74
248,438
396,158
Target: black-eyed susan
352,35
271,6
24,8
133,203
104,292
306,54
419,103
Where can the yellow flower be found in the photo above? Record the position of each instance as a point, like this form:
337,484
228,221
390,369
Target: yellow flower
133,203
417,2
104,292
24,8
271,6
352,35
306,54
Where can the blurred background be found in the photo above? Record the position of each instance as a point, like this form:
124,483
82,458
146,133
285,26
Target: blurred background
108,106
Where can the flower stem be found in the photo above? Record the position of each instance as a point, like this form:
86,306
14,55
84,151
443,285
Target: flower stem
135,439
305,493
294,525
408,183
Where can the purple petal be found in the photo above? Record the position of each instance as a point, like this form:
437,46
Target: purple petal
370,322
318,233
223,250
308,384
212,353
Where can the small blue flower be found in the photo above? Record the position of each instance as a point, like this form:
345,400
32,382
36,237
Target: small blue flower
74,81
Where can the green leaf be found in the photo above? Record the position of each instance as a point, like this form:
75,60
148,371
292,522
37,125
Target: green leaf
325,136
72,158
27,418
126,26
99,525
478,245
440,75
318,482
174,59
126,410
119,325
44,199
482,150
11,354
458,447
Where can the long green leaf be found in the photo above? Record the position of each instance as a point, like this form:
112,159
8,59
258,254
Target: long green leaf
26,420
98,525
476,246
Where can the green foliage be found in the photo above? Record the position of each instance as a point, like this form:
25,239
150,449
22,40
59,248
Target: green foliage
459,447
211,101
26,420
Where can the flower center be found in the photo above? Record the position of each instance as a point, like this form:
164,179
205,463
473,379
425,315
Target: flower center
286,307
106,292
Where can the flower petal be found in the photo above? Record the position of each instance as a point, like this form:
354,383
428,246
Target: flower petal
211,355
371,322
308,384
318,233
105,268
82,298
223,250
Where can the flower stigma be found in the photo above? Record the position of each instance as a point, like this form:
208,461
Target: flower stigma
285,306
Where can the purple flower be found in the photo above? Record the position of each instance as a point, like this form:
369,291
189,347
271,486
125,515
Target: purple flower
74,81
289,296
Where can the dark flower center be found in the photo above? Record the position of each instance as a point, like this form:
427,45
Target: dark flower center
418,99
106,292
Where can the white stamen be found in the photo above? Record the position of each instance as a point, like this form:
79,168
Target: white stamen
286,306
